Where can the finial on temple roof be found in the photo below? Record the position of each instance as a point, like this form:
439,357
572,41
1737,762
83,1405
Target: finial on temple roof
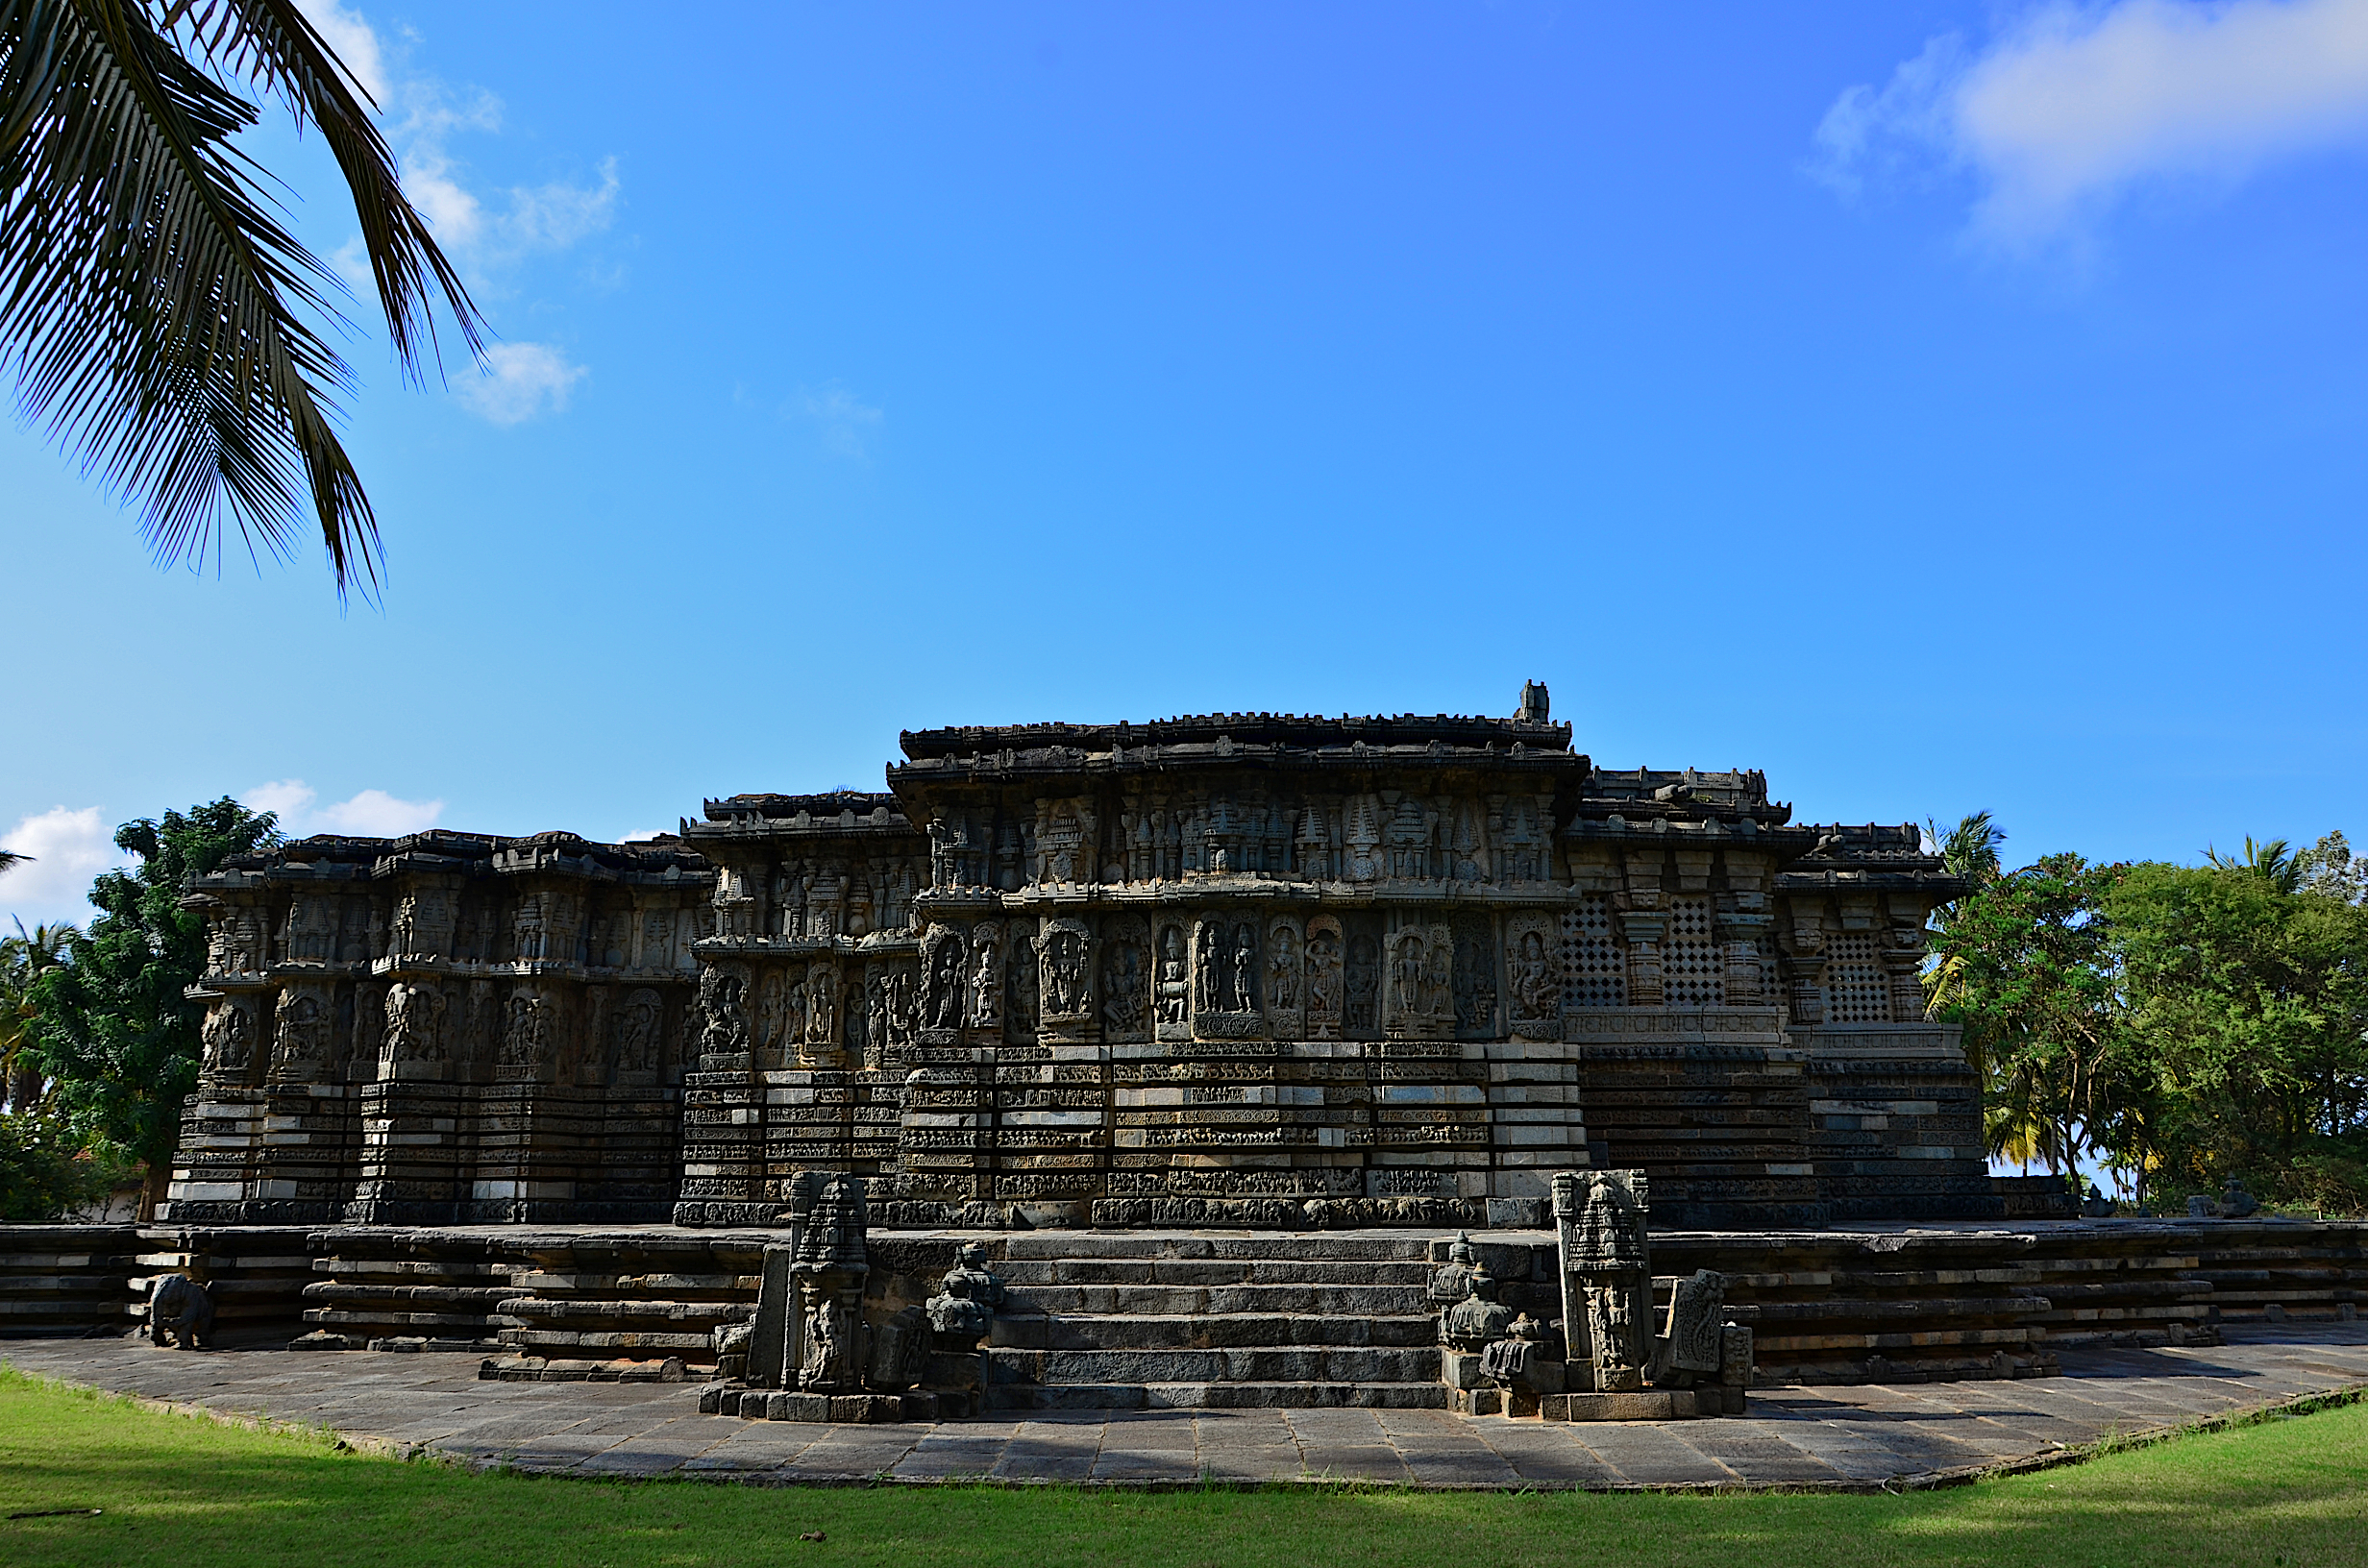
1534,707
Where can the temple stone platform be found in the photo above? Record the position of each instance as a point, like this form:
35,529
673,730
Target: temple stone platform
1137,1320
1879,1436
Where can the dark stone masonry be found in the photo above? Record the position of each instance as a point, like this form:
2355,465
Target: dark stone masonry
1228,971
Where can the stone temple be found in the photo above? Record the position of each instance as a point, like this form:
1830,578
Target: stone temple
1225,971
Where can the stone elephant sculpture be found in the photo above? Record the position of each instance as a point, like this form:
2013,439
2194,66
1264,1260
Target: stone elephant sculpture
178,1305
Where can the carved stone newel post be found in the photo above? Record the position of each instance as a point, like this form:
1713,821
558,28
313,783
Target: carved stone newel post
1601,1219
828,1264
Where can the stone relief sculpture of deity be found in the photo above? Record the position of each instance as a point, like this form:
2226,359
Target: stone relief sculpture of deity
1283,967
724,1023
525,1035
640,1024
1020,999
821,1006
942,1003
229,1038
877,1000
1125,990
300,1033
1323,978
414,1023
767,1023
299,1030
1061,958
1362,973
1209,970
1242,969
1531,984
986,978
1174,998
1475,995
1407,974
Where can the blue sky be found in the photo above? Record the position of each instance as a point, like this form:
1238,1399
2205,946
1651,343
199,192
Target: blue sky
1936,405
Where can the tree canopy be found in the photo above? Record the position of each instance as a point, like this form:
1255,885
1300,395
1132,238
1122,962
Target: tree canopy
114,1029
2189,1023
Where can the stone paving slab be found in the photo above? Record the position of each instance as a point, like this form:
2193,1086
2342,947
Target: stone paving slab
1877,1435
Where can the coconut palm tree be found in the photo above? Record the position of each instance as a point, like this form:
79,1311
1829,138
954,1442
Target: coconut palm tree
157,318
23,957
2273,862
1969,852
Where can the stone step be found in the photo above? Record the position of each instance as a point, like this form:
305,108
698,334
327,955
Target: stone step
1311,1246
1199,1332
1210,1271
1171,1300
1241,1365
1182,1396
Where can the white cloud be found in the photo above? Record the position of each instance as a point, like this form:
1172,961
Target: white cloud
376,814
484,230
642,835
519,380
2073,106
287,798
846,422
67,848
372,814
353,41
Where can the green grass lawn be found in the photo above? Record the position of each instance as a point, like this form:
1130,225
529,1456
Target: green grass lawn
189,1492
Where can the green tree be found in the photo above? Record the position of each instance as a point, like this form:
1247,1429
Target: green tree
116,1031
2020,961
2330,868
162,325
2249,995
23,958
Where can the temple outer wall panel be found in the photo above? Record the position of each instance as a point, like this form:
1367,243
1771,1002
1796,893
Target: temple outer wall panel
1232,969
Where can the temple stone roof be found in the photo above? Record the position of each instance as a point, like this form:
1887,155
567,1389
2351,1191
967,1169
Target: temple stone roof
1295,731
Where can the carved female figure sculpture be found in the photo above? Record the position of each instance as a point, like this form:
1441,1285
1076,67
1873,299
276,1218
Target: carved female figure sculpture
1209,970
945,998
1240,973
1283,971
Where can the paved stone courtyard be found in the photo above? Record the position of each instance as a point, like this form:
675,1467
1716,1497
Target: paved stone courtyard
1837,1436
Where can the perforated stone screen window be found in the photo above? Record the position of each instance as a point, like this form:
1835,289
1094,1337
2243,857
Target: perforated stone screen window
1856,989
1692,969
1594,964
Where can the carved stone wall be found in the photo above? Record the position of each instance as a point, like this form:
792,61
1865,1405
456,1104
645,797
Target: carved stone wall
444,1027
1235,968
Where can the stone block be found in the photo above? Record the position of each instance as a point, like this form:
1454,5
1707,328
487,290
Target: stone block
1647,1405
1461,1369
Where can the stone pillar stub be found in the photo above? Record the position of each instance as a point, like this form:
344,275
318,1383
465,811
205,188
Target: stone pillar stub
771,1347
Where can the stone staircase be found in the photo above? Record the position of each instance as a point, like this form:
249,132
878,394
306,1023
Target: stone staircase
1173,1320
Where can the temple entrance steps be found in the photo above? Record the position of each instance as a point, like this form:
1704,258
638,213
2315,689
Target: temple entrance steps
1172,1320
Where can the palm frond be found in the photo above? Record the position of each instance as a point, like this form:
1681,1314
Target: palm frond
158,317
